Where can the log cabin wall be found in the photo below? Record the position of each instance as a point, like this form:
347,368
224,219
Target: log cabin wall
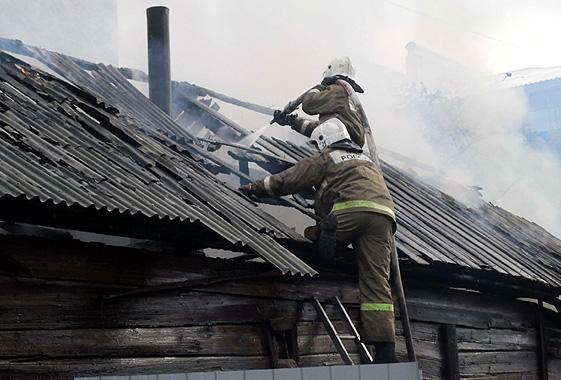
65,312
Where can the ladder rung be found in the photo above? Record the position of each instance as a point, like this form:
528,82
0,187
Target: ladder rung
331,331
364,353
347,337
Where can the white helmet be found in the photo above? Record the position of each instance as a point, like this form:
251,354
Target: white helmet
340,66
329,132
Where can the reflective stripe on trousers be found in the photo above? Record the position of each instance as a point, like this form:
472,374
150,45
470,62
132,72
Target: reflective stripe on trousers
371,236
376,306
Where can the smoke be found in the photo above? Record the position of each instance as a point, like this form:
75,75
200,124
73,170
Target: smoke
474,134
82,29
270,52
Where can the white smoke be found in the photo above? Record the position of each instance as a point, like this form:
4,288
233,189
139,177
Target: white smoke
270,52
474,134
82,29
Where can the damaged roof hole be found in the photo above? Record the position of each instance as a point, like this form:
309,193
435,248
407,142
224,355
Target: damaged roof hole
86,114
18,91
217,253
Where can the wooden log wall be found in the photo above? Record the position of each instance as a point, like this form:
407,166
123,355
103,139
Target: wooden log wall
56,323
553,344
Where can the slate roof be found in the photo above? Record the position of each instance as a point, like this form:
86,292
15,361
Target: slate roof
61,147
92,142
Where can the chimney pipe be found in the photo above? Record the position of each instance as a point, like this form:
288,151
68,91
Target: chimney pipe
159,71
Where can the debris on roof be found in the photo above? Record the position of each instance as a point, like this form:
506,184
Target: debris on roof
98,146
67,150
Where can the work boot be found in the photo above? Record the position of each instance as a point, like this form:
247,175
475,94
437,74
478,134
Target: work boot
327,237
385,353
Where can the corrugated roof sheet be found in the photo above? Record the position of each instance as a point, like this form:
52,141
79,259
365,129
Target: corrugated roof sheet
523,77
61,144
433,228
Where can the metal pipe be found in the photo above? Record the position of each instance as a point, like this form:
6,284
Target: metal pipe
159,67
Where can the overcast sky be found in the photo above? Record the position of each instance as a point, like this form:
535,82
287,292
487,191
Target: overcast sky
266,51
269,52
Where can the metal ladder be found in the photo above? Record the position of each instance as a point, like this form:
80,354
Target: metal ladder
364,352
336,337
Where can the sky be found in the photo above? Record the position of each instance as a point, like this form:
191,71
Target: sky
269,52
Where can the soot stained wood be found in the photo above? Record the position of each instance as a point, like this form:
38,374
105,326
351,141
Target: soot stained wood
56,323
450,345
219,340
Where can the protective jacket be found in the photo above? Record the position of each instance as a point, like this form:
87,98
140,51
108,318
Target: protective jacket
328,102
349,184
345,180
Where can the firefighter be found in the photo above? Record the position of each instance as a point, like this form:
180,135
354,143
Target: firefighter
328,100
356,207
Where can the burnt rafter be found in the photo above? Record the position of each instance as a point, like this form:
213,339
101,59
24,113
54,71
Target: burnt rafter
488,282
433,228
114,166
182,285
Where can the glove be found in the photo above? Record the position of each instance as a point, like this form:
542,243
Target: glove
246,189
283,119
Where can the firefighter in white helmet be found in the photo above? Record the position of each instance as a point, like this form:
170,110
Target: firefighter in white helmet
328,100
356,207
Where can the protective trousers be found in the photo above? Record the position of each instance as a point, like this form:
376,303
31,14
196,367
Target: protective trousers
371,235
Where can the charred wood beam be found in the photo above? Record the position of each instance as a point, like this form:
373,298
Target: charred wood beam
252,154
273,346
486,282
200,91
234,126
185,284
450,346
125,224
542,344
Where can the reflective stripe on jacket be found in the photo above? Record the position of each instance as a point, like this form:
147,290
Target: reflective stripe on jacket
345,180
